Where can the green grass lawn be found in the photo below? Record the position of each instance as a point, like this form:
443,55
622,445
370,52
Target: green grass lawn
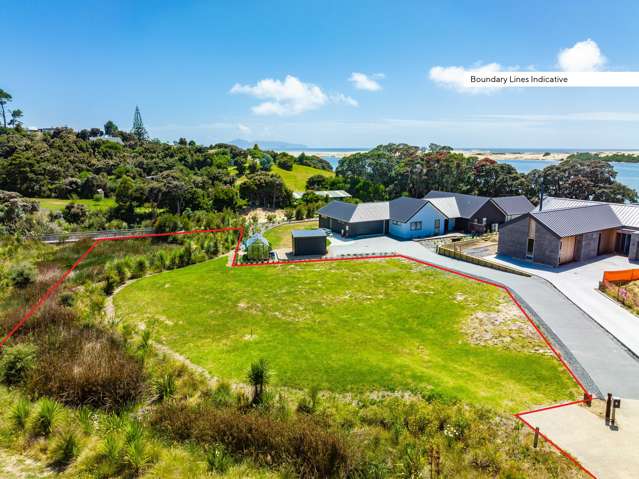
280,236
343,326
55,204
296,179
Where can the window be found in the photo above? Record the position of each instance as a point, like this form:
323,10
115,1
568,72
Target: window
530,248
437,225
415,225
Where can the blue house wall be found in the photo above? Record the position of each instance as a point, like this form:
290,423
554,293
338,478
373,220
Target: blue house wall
427,215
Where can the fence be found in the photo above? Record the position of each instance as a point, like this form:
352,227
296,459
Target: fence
453,250
82,235
615,285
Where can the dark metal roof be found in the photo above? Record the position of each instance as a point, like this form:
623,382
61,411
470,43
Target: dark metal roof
466,204
514,205
317,233
404,208
338,210
576,221
356,213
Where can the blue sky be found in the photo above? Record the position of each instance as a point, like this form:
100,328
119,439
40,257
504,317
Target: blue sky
198,69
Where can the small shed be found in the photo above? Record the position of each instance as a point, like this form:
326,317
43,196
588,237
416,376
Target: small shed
309,242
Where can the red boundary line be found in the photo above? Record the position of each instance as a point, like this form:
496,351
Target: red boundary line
234,264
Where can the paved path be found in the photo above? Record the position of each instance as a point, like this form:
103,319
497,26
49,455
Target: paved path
605,452
605,361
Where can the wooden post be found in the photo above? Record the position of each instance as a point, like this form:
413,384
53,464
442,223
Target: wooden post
536,440
608,407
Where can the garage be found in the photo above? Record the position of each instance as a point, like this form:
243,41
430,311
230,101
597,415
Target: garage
309,242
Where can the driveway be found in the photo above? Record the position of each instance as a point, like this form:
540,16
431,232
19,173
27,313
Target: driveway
580,282
596,356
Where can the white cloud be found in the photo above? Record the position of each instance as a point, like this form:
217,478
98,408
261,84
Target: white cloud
362,81
453,77
288,97
583,56
244,130
340,98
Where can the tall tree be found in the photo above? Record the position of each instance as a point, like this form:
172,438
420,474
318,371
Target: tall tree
4,99
16,116
110,128
138,126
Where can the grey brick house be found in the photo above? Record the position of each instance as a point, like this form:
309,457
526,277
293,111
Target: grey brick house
565,230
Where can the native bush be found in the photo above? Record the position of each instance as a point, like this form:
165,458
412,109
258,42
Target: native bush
310,448
140,267
19,414
218,460
16,362
65,449
45,417
22,274
86,366
165,387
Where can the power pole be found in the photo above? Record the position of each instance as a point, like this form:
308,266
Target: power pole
138,127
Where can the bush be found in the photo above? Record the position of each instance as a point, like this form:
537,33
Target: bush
16,362
309,448
64,449
218,460
66,299
165,387
86,366
140,267
22,275
300,213
45,417
223,396
20,414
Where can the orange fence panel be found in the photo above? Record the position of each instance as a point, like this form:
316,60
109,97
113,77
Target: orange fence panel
624,275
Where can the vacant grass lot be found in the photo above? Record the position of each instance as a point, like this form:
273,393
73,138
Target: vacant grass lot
296,179
280,236
55,204
343,326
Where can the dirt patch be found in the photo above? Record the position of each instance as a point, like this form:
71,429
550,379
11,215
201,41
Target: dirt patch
505,327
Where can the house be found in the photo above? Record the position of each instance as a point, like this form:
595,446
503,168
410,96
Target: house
309,242
436,214
402,217
330,194
477,214
562,230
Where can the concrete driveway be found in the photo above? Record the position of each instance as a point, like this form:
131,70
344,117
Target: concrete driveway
600,361
580,282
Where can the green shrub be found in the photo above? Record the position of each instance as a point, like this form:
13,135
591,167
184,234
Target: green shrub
67,299
65,449
16,362
140,267
22,275
121,268
45,417
20,414
218,460
111,282
223,395
165,387
310,403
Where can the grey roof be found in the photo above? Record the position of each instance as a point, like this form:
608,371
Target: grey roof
404,208
580,220
628,213
330,193
513,205
467,205
356,213
447,205
317,233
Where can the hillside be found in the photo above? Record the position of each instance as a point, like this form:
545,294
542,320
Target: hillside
296,179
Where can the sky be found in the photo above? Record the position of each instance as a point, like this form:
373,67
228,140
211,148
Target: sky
324,73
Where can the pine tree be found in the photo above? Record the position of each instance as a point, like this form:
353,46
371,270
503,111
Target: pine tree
138,127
